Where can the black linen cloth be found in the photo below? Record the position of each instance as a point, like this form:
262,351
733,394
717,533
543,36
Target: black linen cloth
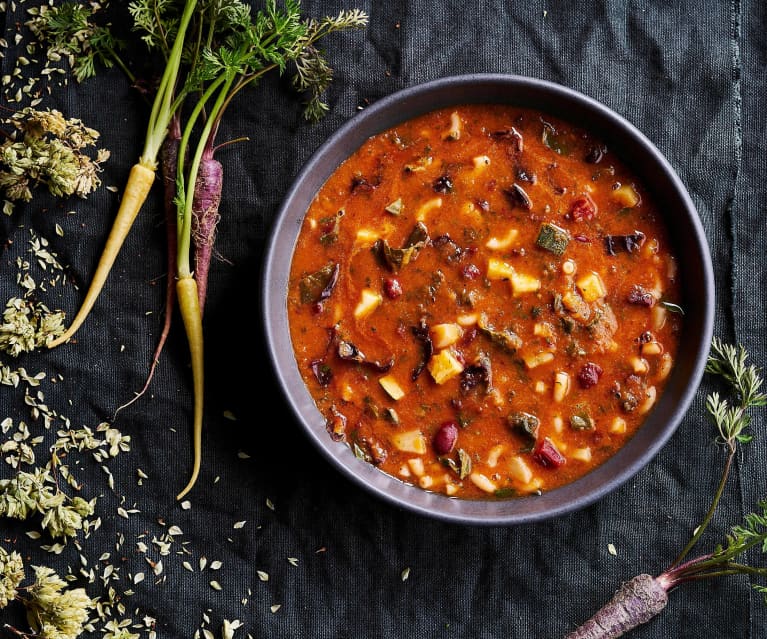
340,563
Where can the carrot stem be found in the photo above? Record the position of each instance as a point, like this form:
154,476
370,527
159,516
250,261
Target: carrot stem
189,307
136,191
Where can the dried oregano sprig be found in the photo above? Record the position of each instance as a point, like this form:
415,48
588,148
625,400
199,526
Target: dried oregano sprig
51,152
53,610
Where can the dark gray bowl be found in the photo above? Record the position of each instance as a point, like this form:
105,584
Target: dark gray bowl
687,234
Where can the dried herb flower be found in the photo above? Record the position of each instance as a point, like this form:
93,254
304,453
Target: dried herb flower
28,325
50,152
11,575
54,611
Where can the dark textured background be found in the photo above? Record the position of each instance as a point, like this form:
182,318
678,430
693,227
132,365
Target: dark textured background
689,75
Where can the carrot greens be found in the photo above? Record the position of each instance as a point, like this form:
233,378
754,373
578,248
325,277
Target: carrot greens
212,51
643,597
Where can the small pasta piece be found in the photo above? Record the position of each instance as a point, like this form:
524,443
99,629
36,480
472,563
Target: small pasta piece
454,132
450,489
483,482
519,470
426,481
568,267
540,387
659,314
652,348
427,207
535,360
404,471
639,365
581,454
666,363
618,425
494,454
467,319
498,243
649,401
558,424
561,385
416,466
481,161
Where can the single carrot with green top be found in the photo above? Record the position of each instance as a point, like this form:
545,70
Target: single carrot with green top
141,177
643,597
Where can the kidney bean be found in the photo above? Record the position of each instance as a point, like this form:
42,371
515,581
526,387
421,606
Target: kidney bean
392,288
445,438
589,375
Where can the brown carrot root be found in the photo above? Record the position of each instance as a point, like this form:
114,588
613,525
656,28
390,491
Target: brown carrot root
168,159
136,191
189,307
634,603
205,217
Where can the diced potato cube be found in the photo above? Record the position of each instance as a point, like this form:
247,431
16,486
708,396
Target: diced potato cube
561,385
497,243
519,470
443,335
427,207
543,329
444,366
499,270
370,300
483,482
416,465
410,441
404,471
392,387
367,236
522,283
591,287
537,359
581,454
540,387
618,425
626,196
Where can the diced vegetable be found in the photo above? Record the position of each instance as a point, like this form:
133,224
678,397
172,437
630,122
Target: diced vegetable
411,441
498,243
443,335
444,366
534,360
561,385
553,238
370,300
626,196
521,283
498,269
591,287
392,387
395,208
581,421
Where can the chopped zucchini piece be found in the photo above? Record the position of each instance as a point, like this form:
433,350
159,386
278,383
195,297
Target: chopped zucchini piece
553,238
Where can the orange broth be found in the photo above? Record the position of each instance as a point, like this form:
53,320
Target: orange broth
481,302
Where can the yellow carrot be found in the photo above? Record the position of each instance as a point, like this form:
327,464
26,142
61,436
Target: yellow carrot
189,308
136,191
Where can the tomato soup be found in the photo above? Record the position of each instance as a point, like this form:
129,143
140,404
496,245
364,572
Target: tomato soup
483,302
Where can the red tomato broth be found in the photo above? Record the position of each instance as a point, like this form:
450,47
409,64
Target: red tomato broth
517,325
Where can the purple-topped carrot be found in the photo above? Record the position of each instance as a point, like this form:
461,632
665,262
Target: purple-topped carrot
640,599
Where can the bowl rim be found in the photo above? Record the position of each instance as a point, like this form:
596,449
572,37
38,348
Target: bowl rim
381,115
